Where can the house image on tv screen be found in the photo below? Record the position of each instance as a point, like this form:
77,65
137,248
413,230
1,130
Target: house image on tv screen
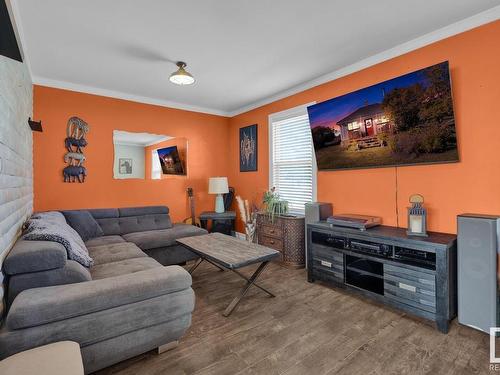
404,120
366,121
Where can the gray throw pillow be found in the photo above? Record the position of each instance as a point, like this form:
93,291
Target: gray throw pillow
84,223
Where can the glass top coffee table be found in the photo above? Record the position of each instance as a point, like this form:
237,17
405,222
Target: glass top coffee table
226,252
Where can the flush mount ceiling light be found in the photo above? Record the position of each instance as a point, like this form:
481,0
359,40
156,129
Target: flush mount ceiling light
180,76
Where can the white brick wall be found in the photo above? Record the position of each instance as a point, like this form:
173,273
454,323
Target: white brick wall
16,152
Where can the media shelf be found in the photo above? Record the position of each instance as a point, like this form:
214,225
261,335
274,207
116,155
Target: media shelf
414,274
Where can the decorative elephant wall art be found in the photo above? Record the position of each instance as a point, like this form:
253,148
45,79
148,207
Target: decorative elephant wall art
75,142
72,173
76,128
79,143
71,157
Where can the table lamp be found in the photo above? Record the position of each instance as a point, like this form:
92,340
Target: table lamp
218,185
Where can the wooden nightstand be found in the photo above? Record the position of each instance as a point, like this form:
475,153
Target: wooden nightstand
285,234
221,222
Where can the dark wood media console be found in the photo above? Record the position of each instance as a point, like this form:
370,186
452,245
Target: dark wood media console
414,274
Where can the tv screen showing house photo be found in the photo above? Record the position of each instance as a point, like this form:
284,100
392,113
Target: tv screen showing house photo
170,161
405,120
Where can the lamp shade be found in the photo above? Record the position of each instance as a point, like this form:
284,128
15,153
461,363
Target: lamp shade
217,185
181,76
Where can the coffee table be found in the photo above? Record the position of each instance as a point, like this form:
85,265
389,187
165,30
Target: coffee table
226,252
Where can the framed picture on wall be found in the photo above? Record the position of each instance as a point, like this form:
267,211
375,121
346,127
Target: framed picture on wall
125,166
248,148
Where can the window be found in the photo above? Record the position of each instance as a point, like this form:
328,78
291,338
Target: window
353,126
292,163
155,165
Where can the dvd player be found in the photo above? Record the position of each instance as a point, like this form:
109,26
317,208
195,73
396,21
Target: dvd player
360,222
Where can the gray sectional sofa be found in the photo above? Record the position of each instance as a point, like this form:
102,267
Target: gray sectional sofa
131,300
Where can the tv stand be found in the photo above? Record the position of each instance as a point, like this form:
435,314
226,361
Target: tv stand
414,274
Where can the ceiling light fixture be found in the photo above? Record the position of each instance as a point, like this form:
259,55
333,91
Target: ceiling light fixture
180,76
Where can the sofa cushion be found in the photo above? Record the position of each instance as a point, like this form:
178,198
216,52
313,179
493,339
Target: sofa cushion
72,272
162,238
129,224
104,240
123,267
117,221
37,307
33,256
145,210
115,252
103,213
84,223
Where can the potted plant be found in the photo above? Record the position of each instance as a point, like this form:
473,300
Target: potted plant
275,206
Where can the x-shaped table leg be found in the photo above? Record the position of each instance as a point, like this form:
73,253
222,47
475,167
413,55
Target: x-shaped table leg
195,266
254,283
199,261
244,290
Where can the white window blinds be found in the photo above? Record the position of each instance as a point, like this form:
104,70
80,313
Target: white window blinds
293,168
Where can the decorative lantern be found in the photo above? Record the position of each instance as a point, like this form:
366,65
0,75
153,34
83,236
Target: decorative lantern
417,217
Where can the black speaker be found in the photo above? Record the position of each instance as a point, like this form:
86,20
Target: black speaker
317,211
478,246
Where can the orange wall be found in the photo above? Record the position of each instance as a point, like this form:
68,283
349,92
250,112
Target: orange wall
472,185
206,134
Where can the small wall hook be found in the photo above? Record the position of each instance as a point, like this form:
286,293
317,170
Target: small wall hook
36,126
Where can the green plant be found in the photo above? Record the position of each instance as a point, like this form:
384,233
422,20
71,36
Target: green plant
275,206
430,138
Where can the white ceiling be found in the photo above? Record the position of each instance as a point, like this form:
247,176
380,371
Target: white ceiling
242,53
121,137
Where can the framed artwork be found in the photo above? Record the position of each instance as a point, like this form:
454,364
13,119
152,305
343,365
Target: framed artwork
170,161
248,148
125,166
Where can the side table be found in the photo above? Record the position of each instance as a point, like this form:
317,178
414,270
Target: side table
224,222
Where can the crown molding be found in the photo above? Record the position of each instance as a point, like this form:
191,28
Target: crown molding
40,81
477,20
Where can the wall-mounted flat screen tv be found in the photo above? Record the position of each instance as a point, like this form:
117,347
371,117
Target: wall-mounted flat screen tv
8,42
403,121
170,161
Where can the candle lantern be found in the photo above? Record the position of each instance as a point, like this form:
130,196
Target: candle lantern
417,217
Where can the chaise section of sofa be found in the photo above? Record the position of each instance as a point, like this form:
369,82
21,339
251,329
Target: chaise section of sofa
152,305
35,264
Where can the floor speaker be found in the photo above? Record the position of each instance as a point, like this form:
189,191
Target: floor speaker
478,247
317,211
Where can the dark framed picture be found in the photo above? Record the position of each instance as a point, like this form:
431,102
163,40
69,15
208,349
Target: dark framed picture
248,148
125,166
170,161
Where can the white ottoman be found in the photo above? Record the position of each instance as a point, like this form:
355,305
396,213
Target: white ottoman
60,358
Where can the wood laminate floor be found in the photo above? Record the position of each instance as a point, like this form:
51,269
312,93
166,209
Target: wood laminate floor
307,329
